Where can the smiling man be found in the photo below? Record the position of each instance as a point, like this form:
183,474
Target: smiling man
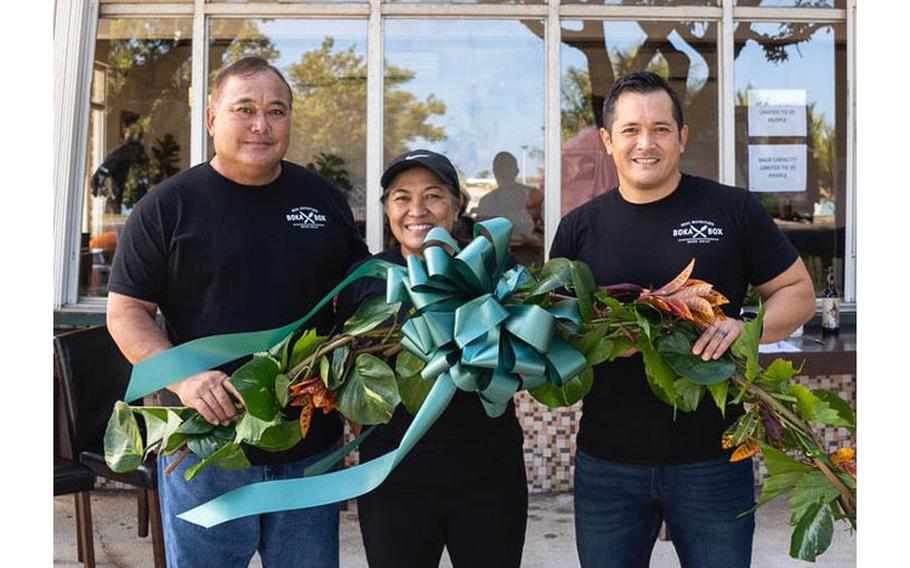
244,242
638,461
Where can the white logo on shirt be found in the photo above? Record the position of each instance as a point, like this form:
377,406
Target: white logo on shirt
698,231
306,218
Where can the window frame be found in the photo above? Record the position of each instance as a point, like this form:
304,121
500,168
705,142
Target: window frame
76,27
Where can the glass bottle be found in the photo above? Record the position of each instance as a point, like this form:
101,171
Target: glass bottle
830,306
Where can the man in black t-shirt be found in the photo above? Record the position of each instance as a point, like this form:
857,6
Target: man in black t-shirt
244,242
639,462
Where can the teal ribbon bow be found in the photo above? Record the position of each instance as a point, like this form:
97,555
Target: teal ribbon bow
465,329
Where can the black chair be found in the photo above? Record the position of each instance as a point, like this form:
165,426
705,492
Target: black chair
94,375
73,478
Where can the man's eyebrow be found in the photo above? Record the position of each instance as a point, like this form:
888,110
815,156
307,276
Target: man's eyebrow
244,100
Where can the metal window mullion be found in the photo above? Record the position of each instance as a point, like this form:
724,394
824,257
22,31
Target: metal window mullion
686,13
155,10
75,24
552,168
727,96
850,216
308,9
199,85
374,213
774,15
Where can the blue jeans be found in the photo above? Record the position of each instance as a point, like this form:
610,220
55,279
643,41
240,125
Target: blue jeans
302,538
619,508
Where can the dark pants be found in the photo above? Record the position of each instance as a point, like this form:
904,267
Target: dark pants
406,523
619,508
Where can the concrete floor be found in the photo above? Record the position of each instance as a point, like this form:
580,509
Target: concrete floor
550,539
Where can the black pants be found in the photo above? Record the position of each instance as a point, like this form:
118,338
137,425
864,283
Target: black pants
482,520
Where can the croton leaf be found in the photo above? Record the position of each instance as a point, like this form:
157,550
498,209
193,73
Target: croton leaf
370,394
676,349
369,315
255,381
813,533
412,387
122,440
568,394
305,346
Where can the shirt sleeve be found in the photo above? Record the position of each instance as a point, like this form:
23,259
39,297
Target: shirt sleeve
140,263
767,251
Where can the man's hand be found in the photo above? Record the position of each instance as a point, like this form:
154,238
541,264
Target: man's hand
207,393
715,340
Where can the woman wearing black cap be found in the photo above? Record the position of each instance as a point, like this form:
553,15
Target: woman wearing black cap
463,486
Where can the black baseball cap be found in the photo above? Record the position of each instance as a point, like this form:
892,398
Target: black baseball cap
436,163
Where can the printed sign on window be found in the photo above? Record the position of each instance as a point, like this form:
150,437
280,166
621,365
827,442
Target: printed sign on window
777,112
777,167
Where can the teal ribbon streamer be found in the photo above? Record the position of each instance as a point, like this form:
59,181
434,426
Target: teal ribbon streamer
192,357
465,330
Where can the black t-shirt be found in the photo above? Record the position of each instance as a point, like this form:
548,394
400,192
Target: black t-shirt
464,443
734,243
220,257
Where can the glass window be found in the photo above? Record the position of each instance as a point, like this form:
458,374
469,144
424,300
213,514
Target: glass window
791,111
594,54
139,129
647,2
474,91
794,3
325,63
465,1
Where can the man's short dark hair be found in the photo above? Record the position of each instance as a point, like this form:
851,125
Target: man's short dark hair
244,68
641,82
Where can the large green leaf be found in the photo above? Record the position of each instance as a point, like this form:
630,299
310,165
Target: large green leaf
746,345
412,387
282,389
204,445
584,285
778,462
255,381
719,394
370,394
281,351
776,485
839,405
196,424
676,349
568,394
305,346
369,315
813,533
660,375
160,424
555,274
814,409
271,435
229,456
122,440
687,394
808,490
340,357
620,345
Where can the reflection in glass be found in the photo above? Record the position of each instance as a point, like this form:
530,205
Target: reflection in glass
791,105
645,2
595,54
139,129
325,63
465,1
474,91
794,3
